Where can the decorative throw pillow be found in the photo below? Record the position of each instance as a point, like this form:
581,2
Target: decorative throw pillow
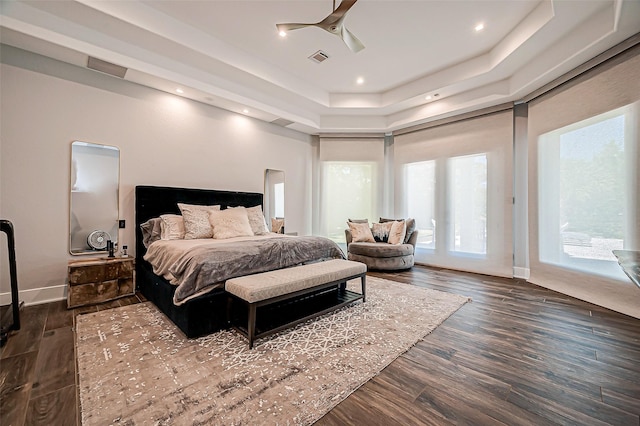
172,227
151,231
397,232
411,227
358,220
256,220
277,225
360,232
196,220
381,231
230,223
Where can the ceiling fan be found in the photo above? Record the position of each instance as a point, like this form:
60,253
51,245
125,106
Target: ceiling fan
334,23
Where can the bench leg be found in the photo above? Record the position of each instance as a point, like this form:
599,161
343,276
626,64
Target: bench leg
229,310
364,288
251,326
343,286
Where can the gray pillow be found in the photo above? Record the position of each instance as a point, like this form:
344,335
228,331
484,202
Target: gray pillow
411,226
151,231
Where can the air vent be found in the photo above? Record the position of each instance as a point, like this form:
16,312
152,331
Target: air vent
319,56
106,67
282,122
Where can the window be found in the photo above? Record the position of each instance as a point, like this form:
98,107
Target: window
455,180
349,191
468,197
278,190
583,210
421,185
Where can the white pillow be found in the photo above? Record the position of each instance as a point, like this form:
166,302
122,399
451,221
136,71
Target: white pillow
360,232
256,220
398,232
230,223
196,220
171,227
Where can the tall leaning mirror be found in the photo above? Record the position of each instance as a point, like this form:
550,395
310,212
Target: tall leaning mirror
95,178
274,199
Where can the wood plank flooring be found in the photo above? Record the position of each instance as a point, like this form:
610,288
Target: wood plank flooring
517,354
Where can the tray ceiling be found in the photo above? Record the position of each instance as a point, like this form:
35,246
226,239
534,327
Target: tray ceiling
423,60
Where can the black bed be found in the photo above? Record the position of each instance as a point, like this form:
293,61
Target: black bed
204,314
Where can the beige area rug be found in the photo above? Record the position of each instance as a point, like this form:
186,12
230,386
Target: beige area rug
136,367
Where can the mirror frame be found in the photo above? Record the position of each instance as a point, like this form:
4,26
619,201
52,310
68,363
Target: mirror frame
72,217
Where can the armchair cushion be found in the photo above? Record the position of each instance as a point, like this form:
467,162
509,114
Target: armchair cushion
380,249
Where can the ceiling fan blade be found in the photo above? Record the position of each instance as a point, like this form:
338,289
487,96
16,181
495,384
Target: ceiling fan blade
341,10
333,24
351,41
292,26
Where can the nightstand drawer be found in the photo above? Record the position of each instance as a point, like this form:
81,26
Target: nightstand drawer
90,293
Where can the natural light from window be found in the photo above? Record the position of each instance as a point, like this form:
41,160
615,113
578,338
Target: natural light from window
278,190
349,192
468,208
582,206
420,181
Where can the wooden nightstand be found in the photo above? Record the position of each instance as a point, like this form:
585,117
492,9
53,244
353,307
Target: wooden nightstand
98,280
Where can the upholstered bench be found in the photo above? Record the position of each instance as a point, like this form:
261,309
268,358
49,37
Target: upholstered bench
275,286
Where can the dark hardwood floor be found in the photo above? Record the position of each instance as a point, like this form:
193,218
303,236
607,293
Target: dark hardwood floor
517,354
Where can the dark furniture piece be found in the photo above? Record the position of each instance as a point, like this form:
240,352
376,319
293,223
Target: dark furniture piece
204,314
14,309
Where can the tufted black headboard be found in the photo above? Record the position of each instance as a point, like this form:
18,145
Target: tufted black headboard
152,201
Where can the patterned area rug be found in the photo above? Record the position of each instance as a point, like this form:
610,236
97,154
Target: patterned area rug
136,367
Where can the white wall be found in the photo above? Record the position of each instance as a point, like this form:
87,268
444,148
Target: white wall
163,140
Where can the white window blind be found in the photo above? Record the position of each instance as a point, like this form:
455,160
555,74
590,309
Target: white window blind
583,185
420,182
351,173
456,181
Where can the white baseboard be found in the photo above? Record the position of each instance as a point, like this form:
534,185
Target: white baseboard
521,273
36,296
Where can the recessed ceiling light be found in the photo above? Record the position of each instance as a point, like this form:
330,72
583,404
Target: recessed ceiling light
245,111
360,80
179,90
282,33
428,97
479,27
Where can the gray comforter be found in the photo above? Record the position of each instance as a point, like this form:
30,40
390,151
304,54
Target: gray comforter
207,264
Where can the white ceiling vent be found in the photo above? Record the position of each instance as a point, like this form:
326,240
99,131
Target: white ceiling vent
319,56
282,122
106,67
